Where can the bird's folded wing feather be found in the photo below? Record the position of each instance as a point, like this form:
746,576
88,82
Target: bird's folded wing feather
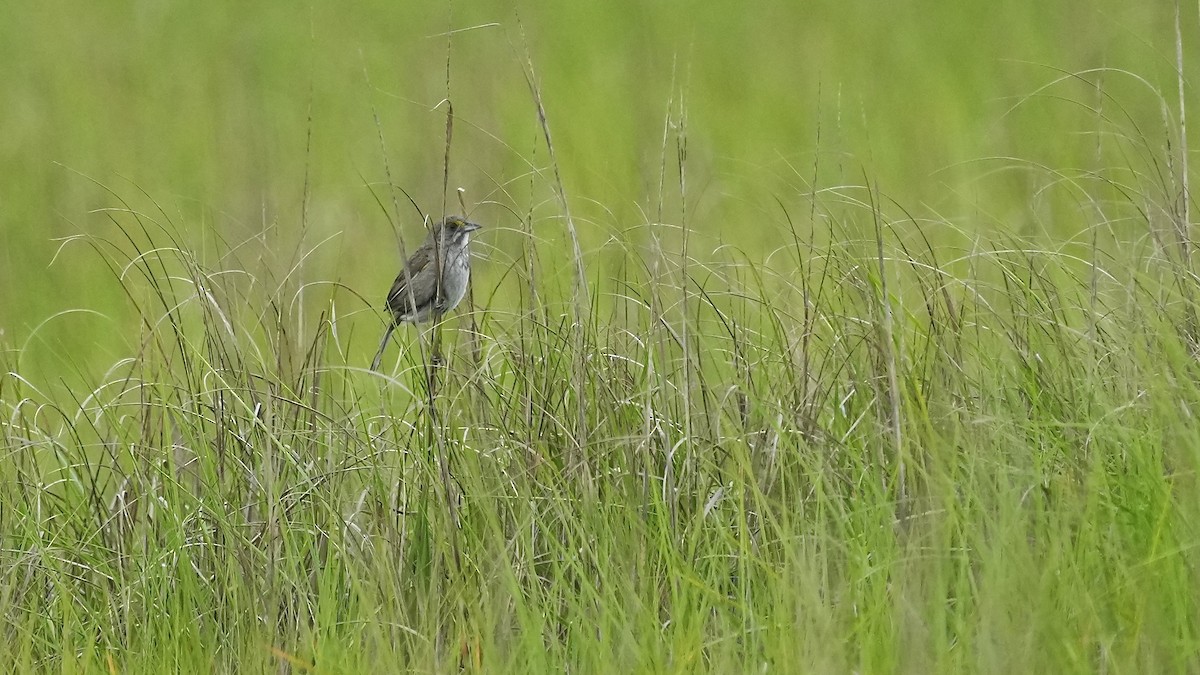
419,275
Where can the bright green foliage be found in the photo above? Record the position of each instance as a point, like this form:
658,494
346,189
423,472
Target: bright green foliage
883,357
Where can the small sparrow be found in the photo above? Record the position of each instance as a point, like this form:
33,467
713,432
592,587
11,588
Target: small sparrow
434,280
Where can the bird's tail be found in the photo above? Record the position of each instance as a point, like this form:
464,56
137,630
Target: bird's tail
382,345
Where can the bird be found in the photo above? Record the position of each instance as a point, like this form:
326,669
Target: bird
434,280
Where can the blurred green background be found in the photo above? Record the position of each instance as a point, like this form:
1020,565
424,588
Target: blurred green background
206,109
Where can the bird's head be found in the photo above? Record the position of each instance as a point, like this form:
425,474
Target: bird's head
454,229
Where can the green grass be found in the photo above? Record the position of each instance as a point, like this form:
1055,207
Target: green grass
878,352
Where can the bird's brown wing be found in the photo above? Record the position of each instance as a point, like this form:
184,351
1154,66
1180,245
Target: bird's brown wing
420,276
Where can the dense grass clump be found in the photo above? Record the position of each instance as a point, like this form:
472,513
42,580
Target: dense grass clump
865,453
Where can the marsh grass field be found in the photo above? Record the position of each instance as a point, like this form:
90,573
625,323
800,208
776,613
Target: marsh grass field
809,338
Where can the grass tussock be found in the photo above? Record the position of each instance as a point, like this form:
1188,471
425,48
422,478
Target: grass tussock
866,454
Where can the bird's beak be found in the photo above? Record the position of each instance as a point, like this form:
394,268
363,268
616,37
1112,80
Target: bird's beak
471,227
